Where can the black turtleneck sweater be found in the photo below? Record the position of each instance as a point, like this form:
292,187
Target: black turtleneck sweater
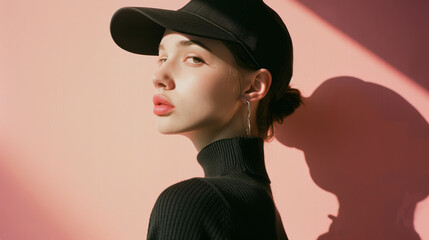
232,201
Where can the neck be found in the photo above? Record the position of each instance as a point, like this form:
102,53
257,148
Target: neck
242,154
235,127
202,139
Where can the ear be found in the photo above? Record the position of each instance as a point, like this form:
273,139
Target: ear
260,82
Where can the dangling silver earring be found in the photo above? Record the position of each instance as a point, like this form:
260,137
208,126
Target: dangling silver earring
248,119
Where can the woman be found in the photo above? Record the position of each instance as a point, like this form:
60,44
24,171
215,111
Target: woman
223,81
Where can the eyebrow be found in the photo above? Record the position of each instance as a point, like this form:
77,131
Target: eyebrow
189,43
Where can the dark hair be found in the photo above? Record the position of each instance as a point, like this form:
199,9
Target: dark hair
280,101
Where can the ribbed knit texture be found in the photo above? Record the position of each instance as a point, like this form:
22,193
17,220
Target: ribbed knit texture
232,201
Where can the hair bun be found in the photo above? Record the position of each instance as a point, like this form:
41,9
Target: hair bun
285,104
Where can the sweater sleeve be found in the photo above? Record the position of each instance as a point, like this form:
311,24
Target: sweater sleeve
190,210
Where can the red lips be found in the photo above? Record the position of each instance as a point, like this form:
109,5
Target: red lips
161,105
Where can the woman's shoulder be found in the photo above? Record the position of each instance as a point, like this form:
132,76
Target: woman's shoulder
194,191
192,205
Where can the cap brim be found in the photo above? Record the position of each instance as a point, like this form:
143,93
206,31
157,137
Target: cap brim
140,30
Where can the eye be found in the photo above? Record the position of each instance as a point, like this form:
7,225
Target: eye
162,60
194,60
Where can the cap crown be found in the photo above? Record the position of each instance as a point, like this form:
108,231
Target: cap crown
252,24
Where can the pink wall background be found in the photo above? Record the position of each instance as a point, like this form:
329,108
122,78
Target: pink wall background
80,157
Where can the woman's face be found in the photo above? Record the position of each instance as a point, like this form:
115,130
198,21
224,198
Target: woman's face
198,78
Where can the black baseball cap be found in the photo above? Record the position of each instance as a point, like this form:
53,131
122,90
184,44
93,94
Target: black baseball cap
250,23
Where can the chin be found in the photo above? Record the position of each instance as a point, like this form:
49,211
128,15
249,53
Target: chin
185,128
166,127
165,130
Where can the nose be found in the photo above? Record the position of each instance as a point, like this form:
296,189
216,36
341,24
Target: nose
163,78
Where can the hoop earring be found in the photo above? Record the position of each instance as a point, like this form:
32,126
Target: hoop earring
248,130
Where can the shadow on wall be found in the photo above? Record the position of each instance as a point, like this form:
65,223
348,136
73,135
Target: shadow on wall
368,146
394,30
20,217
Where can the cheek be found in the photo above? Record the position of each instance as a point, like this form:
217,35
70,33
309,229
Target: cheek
227,90
209,91
220,89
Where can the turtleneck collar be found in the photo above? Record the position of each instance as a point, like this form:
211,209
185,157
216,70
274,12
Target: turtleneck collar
240,153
